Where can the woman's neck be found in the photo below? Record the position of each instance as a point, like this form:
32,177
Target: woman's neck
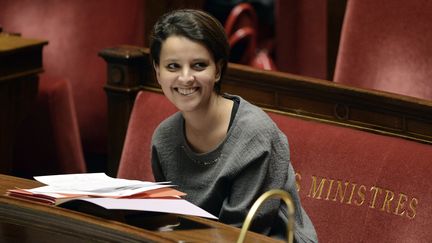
207,128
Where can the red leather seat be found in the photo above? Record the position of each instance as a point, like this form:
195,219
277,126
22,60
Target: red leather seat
241,28
263,60
135,159
387,45
243,45
242,15
48,140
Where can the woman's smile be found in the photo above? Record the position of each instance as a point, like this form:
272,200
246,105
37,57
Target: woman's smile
186,91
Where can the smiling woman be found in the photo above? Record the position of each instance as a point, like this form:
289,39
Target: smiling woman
187,74
220,149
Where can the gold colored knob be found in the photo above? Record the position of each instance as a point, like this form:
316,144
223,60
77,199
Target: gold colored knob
285,196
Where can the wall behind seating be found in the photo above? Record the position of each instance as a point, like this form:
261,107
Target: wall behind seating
301,37
77,30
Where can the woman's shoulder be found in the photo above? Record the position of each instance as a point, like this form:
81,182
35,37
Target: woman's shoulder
252,122
171,125
252,116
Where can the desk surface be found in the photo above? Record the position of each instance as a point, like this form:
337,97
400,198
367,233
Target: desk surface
24,221
11,43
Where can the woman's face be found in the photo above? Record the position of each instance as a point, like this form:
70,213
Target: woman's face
187,73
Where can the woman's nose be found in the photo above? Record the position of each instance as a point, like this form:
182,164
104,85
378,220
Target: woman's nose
186,75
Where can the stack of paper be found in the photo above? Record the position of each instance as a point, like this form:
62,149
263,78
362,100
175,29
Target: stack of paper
110,193
63,187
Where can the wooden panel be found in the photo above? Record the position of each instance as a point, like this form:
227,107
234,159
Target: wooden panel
259,95
375,118
124,77
305,105
419,127
20,64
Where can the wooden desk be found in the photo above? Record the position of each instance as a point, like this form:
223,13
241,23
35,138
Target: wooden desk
20,64
24,221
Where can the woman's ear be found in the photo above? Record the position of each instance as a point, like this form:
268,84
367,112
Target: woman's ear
157,70
156,67
219,66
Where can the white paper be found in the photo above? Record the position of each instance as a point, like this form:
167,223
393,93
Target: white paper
94,184
175,206
113,192
88,181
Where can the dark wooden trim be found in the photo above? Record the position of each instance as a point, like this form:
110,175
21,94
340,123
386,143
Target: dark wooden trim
20,65
124,77
295,95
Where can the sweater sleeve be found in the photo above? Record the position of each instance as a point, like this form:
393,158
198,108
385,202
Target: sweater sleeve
157,171
159,142
266,168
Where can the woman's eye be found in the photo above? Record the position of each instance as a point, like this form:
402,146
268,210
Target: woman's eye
200,66
172,66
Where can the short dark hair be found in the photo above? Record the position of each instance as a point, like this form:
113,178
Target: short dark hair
195,25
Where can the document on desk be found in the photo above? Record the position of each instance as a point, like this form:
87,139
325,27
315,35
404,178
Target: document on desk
95,184
174,206
110,193
60,188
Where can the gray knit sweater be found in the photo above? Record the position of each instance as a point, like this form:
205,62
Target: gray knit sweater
252,159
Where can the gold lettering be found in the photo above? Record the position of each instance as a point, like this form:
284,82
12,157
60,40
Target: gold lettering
361,193
352,193
413,205
401,204
339,191
387,201
329,189
298,179
376,189
314,190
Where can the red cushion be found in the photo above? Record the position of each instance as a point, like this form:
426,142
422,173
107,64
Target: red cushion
389,50
149,110
48,140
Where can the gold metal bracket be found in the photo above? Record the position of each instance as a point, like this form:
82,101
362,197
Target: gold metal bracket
285,196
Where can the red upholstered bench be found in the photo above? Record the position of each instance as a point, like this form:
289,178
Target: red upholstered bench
358,186
355,185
